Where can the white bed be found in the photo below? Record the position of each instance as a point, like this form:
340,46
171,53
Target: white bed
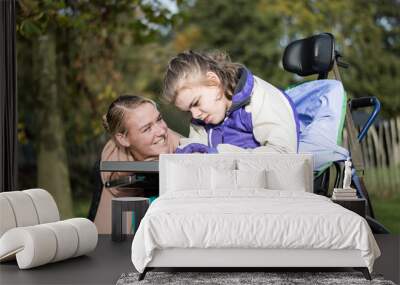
247,210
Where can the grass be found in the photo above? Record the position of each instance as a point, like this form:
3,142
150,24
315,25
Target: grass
387,211
383,185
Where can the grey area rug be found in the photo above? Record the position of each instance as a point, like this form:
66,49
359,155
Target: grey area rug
228,278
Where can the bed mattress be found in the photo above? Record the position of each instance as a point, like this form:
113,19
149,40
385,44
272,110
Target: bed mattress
250,219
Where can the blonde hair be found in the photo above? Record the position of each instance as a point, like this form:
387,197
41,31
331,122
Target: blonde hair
186,65
114,120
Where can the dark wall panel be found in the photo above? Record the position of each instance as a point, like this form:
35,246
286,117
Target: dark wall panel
8,98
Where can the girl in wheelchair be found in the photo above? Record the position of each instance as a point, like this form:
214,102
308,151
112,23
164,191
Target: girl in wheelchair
231,108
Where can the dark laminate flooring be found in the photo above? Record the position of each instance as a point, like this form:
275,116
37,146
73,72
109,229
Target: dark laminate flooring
111,259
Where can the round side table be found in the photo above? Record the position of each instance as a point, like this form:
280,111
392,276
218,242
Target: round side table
137,205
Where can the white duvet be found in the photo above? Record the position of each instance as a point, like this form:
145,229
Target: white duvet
253,218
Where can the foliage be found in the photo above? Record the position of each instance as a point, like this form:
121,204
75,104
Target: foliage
108,47
99,47
91,36
256,32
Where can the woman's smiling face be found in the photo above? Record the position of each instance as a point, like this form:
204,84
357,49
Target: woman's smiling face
146,132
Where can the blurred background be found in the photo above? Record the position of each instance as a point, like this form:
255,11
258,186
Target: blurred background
75,56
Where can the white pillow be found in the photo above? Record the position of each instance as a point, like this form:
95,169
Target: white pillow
227,179
188,177
251,178
292,178
283,173
223,179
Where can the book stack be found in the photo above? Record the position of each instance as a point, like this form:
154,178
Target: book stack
344,194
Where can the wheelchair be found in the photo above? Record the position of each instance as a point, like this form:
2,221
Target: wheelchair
316,55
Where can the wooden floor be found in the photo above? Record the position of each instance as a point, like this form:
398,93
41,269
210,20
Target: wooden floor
111,259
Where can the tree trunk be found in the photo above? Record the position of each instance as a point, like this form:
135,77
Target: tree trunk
53,173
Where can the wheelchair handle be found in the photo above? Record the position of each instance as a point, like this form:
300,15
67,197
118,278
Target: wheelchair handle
340,62
363,102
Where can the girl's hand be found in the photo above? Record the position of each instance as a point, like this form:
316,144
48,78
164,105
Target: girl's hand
196,148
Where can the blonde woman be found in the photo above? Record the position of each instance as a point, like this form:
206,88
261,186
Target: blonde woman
138,133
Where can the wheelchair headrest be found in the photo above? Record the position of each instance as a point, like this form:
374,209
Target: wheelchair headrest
312,55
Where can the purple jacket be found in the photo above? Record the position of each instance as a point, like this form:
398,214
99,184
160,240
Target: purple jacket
237,128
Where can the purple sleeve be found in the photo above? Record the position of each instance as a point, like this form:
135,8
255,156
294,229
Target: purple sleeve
196,148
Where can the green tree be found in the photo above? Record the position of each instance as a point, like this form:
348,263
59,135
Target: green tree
66,54
256,32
